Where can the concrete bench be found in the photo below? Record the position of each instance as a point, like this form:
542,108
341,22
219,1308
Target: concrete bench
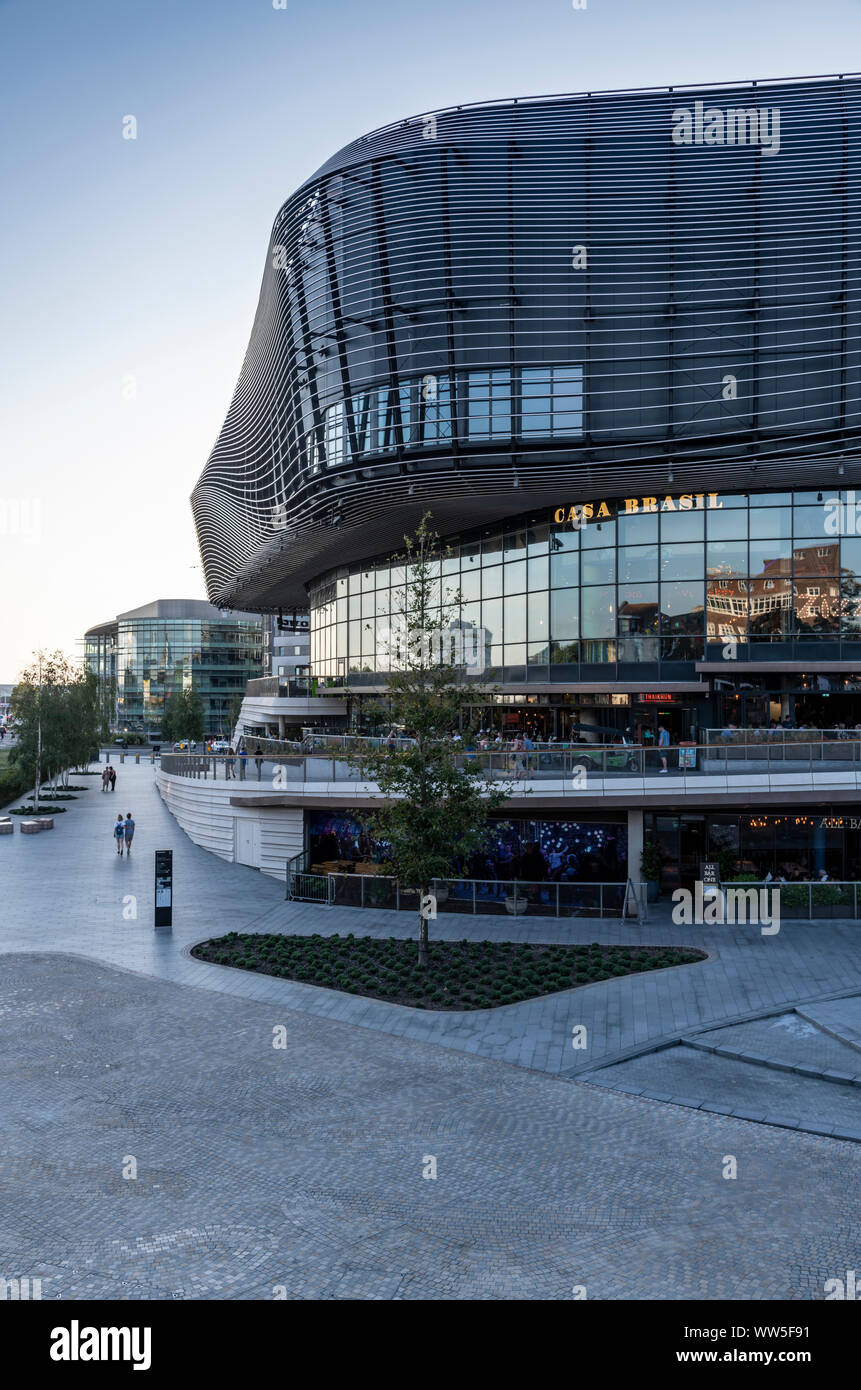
45,822
30,827
7,826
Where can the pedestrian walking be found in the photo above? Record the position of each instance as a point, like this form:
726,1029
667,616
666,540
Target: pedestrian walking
229,765
129,831
243,759
663,745
113,778
120,834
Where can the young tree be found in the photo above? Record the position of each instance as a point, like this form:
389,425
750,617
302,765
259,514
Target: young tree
56,708
184,716
437,801
195,714
172,718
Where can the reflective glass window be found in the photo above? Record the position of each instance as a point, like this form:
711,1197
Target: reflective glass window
598,612
514,618
638,562
598,566
491,618
817,605
725,558
638,609
491,581
489,405
727,525
682,606
537,617
682,526
821,556
564,614
564,569
638,530
514,580
766,522
771,558
683,560
538,574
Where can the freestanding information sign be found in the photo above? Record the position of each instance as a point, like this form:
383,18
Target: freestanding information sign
164,887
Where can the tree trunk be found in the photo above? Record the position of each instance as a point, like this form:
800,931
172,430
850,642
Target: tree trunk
423,930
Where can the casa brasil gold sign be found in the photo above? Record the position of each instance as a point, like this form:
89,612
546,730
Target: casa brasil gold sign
581,512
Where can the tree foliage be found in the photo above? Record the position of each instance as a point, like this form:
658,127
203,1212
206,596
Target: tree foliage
436,803
184,716
57,714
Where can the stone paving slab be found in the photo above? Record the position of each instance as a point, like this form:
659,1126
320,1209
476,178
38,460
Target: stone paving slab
841,1019
746,1091
786,1041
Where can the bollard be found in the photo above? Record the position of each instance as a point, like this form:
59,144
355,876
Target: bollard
122,757
137,757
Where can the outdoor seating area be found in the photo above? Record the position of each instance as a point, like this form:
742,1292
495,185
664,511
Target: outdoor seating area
35,826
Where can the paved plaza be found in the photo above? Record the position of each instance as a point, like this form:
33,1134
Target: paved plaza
263,1170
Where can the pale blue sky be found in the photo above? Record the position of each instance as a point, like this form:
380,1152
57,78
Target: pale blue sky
143,258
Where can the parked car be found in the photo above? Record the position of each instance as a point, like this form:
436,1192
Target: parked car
220,745
121,743
181,746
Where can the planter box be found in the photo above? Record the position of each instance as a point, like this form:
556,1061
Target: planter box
516,906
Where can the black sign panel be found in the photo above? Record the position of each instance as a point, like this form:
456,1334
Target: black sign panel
711,875
164,887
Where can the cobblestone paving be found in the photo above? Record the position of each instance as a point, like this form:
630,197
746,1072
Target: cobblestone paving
302,1167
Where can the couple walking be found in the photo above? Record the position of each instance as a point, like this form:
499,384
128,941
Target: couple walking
124,832
109,779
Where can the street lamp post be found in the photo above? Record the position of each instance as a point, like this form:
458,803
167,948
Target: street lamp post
38,740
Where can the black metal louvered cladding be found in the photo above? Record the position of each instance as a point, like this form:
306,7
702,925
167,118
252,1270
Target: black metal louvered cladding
493,307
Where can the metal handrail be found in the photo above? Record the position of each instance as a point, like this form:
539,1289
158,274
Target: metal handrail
574,767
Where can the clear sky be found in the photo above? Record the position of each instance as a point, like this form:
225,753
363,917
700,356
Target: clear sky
131,268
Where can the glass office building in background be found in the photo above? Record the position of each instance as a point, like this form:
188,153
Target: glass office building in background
150,653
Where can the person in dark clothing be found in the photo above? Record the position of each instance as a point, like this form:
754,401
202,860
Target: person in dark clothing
113,779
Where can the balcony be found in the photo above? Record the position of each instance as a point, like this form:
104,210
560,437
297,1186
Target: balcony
587,776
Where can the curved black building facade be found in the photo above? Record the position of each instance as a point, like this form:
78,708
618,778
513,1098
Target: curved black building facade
509,307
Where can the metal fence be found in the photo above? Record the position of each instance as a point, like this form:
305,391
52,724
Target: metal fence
812,902
781,736
467,896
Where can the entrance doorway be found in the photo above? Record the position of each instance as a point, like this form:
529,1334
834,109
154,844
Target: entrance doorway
247,842
681,842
